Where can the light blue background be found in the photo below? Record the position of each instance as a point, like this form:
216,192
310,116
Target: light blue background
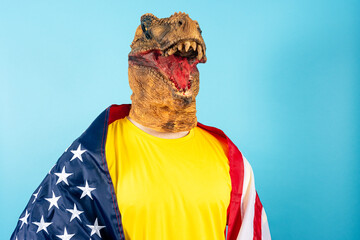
282,80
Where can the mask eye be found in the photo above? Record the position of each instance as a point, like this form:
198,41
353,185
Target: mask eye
143,27
198,27
145,23
145,30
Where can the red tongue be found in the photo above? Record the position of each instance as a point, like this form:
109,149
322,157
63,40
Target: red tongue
176,68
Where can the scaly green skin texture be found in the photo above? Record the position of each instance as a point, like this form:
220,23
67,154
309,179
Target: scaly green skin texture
158,101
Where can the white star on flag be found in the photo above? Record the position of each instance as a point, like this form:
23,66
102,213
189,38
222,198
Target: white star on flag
95,228
77,153
42,225
24,219
53,200
36,194
66,236
63,176
86,190
75,213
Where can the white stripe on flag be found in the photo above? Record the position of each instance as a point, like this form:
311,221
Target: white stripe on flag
265,231
247,203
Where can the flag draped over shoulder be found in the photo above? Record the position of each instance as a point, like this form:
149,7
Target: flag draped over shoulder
76,200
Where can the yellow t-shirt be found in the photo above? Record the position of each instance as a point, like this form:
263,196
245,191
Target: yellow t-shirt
168,188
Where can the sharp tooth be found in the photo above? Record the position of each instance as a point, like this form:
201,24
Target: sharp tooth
172,51
187,45
193,45
180,46
200,53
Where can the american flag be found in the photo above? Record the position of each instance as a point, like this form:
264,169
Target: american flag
76,200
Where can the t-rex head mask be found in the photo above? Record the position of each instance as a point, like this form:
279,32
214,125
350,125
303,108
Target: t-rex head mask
163,74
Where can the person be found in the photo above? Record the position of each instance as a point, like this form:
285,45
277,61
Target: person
150,170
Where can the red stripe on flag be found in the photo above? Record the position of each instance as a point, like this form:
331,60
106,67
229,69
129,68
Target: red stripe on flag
118,112
257,218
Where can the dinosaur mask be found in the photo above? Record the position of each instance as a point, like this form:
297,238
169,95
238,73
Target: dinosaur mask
163,74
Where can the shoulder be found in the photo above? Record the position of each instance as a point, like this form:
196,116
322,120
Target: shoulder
236,158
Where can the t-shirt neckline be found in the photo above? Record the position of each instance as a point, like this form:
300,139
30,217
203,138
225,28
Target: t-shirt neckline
146,135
